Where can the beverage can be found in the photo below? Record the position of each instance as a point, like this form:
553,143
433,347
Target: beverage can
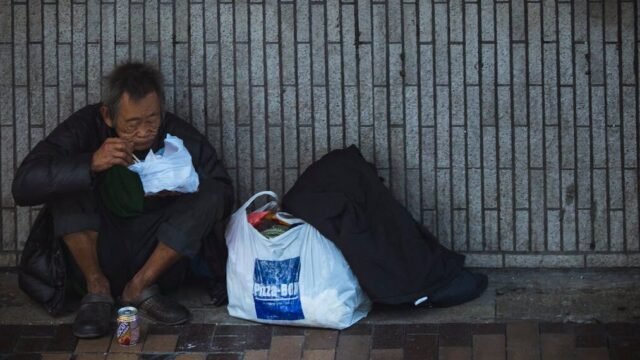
128,332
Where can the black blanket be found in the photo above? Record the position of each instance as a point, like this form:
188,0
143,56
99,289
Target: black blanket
395,259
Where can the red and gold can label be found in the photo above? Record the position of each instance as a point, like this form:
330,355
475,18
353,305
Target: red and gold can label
128,331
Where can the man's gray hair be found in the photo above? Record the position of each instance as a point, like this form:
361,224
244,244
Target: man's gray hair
136,79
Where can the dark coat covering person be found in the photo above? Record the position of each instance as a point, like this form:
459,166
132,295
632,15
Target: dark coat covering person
132,256
396,259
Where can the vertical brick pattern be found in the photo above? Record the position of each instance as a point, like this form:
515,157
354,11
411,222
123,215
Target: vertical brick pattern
507,127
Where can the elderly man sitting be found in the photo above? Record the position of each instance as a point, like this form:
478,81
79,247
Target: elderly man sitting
127,255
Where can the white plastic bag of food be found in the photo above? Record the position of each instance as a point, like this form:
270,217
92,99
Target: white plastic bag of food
297,278
171,169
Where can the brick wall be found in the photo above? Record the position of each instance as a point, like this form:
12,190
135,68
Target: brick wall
510,128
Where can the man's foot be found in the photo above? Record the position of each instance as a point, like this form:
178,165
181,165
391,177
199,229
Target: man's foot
160,308
93,317
464,287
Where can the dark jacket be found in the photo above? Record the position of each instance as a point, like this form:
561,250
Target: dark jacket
60,165
395,259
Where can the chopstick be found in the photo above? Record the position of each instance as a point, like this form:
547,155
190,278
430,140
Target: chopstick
135,158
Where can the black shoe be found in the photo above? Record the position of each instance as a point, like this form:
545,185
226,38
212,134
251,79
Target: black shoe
93,316
464,287
217,291
160,308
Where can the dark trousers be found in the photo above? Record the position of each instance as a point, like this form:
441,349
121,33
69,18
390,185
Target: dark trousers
191,224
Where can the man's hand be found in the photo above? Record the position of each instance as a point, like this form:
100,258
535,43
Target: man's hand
113,151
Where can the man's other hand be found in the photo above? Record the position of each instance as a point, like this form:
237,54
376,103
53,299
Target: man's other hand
113,151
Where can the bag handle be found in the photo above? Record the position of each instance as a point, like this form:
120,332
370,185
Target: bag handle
257,195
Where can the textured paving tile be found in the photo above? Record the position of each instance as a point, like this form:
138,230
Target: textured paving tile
37,330
93,345
523,340
194,356
590,329
160,343
226,343
357,329
421,329
591,341
90,356
455,335
489,329
387,354
122,356
591,335
320,339
455,353
224,356
258,337
31,356
232,329
63,340
353,347
556,328
489,347
522,355
592,354
117,348
318,354
421,346
56,356
286,347
8,340
287,330
256,355
196,338
557,346
624,347
31,344
388,336
623,329
155,356
166,330
524,334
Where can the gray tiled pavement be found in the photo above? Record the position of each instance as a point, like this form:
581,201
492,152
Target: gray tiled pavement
525,314
582,296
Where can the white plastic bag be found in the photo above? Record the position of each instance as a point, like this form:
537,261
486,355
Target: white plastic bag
297,278
171,170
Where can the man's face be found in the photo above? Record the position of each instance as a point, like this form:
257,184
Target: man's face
137,121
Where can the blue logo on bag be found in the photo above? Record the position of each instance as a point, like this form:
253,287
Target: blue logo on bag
276,289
